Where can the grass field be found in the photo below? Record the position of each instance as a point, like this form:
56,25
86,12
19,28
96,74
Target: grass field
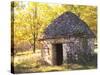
26,62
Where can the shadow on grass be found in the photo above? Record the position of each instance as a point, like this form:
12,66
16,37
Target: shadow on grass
30,68
37,65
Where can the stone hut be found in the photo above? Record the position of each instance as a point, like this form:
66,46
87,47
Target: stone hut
68,39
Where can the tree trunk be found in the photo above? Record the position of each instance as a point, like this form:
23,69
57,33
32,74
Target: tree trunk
34,30
34,44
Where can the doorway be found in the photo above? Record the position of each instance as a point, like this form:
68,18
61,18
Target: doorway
59,54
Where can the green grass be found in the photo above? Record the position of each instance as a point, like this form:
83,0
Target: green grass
26,62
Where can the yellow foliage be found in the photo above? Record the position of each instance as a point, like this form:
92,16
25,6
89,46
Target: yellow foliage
33,17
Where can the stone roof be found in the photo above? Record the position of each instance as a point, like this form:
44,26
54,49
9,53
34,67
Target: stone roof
67,24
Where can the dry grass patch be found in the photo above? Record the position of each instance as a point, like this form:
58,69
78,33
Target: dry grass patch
27,62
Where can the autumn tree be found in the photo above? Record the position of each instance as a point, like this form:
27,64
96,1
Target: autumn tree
29,19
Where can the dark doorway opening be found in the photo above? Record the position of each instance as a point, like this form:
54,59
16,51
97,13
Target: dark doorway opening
59,54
